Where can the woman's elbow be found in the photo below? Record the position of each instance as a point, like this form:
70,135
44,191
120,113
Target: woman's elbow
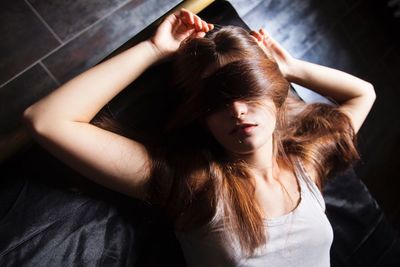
31,119
27,114
28,119
370,91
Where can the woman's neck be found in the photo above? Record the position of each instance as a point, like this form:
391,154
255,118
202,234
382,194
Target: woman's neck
263,163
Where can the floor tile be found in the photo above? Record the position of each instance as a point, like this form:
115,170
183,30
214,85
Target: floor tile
17,95
391,62
24,38
383,116
95,44
68,18
366,27
334,50
351,3
295,24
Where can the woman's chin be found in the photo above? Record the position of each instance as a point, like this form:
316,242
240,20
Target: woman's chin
244,148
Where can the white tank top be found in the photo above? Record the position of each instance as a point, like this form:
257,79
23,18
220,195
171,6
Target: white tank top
300,238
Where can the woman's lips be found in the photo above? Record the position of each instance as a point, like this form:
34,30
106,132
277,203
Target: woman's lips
244,128
248,129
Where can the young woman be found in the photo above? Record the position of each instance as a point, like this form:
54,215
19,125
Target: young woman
241,162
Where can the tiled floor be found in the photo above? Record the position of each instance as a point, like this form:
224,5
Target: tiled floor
46,43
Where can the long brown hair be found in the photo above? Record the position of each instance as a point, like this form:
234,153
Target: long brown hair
193,179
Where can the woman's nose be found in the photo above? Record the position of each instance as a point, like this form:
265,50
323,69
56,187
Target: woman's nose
239,109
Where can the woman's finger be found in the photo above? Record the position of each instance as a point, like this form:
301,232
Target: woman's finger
205,26
255,39
263,32
197,23
267,40
187,15
266,36
200,34
192,19
256,35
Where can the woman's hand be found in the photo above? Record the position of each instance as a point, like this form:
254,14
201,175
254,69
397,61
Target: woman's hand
273,49
177,27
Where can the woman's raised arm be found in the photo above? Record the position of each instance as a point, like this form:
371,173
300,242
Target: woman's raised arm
60,121
354,95
81,98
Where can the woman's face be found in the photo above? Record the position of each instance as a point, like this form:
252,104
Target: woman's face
243,127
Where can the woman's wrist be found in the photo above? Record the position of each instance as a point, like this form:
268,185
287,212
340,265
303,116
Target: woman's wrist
154,50
294,70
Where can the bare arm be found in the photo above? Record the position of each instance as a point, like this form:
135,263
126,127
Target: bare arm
354,95
80,99
60,121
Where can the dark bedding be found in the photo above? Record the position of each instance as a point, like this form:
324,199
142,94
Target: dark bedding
62,221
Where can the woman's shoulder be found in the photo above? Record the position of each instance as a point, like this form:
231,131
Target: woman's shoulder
309,170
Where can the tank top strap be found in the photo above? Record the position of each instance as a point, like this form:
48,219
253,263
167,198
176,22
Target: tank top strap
309,186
